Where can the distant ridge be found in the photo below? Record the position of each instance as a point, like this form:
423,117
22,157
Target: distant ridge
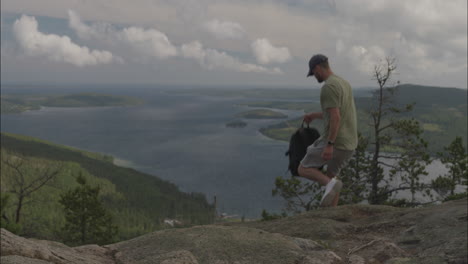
430,95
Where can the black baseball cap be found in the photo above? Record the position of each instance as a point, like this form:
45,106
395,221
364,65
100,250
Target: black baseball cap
314,61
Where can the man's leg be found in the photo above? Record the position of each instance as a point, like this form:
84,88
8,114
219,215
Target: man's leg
314,175
312,161
337,196
335,200
340,159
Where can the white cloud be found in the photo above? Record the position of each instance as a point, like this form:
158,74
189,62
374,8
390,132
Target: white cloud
145,42
95,31
266,53
81,29
212,59
148,41
224,29
363,58
54,47
428,37
193,50
155,44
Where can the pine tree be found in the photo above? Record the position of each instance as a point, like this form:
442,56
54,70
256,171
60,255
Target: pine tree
395,139
87,221
354,184
413,159
299,195
455,159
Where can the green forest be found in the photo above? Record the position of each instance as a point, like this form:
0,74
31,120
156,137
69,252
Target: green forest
137,202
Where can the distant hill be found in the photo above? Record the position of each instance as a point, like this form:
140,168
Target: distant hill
441,112
91,99
425,96
261,114
431,95
139,202
17,103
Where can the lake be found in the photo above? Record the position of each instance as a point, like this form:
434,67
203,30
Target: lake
178,137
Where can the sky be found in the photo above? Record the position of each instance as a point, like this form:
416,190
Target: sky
231,43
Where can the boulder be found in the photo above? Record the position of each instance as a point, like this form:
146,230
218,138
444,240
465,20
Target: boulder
14,248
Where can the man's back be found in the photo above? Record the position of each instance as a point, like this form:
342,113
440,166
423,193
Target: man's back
336,92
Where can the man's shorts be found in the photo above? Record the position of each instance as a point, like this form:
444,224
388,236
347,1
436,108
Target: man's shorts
313,157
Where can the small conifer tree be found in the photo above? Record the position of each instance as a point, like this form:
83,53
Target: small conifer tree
455,158
87,221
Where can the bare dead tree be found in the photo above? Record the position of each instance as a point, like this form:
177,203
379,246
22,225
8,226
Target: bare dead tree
382,74
388,130
27,177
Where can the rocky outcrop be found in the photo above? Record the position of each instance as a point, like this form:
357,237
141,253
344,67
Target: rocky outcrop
223,245
15,249
383,234
354,234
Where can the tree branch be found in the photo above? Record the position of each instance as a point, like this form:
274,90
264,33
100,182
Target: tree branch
388,165
385,127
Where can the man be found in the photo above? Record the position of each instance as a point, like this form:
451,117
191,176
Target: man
339,138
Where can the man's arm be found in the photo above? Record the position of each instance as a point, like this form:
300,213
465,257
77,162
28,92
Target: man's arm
311,116
335,119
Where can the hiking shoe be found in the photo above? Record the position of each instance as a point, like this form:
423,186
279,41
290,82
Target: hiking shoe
331,189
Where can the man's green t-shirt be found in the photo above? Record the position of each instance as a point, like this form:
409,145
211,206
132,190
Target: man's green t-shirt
336,92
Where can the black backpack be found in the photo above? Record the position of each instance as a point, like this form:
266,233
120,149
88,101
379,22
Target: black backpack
298,144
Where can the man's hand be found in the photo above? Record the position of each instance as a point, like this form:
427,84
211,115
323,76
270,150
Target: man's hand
311,116
327,152
308,118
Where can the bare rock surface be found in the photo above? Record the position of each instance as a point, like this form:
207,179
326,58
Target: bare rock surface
13,259
223,244
43,251
354,234
383,234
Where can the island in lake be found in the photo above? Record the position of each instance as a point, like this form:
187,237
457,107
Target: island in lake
20,103
236,124
261,114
